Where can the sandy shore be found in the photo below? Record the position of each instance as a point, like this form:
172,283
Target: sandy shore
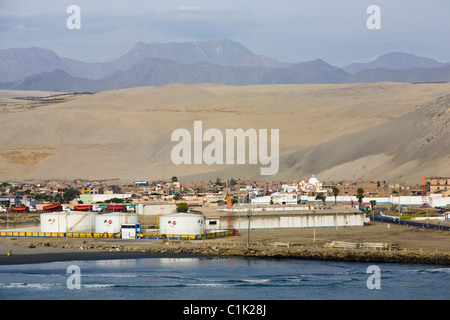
415,246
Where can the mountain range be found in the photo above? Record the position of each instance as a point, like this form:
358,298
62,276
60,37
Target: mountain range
214,61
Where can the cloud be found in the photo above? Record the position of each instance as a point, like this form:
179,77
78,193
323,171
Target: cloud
190,8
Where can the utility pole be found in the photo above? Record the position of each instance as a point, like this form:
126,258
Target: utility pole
249,213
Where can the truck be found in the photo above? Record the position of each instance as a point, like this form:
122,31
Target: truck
83,207
18,209
87,207
116,208
52,207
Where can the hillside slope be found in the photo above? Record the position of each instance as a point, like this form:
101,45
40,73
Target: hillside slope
376,131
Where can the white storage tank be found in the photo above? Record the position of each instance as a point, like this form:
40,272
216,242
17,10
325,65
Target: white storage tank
111,222
182,224
72,221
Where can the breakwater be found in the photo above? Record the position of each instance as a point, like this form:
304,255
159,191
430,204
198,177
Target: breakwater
329,254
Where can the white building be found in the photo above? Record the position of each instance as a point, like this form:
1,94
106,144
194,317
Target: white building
343,217
155,208
278,198
313,185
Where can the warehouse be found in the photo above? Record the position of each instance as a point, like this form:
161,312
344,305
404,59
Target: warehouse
261,219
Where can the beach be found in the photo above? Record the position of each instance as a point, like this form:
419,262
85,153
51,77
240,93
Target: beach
413,245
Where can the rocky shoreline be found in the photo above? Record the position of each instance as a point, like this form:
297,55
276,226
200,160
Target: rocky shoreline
319,254
329,254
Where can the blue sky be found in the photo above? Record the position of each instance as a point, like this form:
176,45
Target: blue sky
286,30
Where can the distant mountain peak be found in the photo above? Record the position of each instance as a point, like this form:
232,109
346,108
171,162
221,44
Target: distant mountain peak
395,61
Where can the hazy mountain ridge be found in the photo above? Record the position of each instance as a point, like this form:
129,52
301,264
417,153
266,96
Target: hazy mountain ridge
19,63
216,61
395,61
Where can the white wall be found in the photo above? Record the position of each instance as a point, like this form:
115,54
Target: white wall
297,221
104,197
155,209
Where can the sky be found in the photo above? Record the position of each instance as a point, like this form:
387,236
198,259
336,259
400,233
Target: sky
287,30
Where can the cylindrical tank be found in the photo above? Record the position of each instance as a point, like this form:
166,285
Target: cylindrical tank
68,221
182,224
111,222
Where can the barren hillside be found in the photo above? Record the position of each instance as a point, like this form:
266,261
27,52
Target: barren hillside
378,131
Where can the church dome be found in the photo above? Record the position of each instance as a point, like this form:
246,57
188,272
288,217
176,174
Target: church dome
313,180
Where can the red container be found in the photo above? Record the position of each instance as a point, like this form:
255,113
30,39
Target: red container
52,207
115,208
19,209
83,207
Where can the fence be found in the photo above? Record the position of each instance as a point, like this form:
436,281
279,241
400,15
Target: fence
411,223
211,235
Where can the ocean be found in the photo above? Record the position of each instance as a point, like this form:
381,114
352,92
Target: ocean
222,279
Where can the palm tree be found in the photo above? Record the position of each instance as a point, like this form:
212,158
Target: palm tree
335,192
360,195
373,203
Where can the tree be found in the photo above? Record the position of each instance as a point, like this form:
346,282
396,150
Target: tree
360,195
70,194
321,196
177,196
335,192
373,203
182,207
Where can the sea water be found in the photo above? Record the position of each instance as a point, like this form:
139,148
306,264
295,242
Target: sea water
222,279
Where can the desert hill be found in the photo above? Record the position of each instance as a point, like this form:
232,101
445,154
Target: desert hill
369,131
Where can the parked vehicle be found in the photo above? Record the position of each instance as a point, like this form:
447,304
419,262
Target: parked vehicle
52,207
116,208
19,209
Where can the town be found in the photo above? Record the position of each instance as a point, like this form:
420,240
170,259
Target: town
34,195
224,203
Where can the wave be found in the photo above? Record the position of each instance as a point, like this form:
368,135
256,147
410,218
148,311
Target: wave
32,286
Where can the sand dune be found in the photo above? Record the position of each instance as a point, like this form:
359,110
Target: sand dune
338,131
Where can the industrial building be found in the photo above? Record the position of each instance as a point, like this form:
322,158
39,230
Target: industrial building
270,217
